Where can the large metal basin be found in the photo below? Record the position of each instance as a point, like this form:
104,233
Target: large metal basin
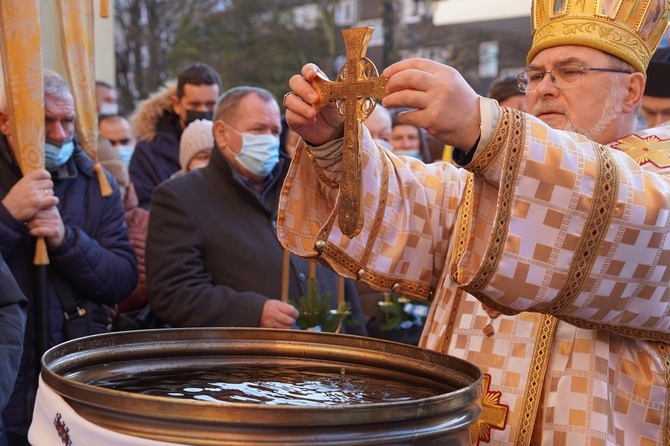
443,419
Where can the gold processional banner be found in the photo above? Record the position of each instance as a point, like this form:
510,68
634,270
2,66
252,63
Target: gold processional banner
21,52
76,25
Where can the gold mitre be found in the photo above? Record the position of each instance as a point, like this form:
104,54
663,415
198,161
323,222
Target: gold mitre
628,29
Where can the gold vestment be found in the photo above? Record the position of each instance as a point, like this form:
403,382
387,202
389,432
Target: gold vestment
563,241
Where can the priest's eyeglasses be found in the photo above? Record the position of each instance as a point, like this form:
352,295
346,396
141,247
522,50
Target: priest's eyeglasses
561,76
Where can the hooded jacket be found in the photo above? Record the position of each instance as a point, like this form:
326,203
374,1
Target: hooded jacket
156,155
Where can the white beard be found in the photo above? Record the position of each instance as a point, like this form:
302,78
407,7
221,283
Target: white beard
611,111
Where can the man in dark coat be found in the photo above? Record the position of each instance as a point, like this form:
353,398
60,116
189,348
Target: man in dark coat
13,308
213,258
90,257
162,118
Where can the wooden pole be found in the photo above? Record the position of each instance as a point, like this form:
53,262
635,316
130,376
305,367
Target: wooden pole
340,291
286,267
104,9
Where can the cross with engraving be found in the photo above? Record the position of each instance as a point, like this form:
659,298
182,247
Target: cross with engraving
354,91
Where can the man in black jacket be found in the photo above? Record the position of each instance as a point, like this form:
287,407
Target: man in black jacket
162,118
13,307
213,258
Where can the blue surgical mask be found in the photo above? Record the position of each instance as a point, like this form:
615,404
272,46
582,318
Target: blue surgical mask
259,153
56,154
126,153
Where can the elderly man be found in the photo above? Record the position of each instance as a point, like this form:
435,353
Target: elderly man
213,258
547,255
91,260
655,108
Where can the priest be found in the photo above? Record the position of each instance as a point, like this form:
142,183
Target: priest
546,254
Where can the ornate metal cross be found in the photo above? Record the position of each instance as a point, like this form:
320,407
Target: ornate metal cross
357,86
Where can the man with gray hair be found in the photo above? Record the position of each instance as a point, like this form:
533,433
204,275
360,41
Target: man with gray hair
91,261
213,258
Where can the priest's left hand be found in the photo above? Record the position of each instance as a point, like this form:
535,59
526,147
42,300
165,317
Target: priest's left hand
443,102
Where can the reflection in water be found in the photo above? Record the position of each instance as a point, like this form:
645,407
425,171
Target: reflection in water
268,385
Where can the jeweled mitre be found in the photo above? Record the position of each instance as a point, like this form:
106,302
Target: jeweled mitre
628,29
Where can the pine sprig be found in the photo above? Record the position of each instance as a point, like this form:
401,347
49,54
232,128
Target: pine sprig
315,310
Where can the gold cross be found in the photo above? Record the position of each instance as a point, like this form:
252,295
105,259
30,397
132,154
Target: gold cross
494,414
643,150
357,85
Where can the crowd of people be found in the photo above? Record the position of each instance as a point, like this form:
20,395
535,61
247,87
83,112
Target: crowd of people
532,220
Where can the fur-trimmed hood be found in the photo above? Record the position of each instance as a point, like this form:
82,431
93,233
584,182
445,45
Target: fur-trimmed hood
150,111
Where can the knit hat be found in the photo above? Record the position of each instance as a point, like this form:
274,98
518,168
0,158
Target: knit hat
658,74
628,29
196,137
110,160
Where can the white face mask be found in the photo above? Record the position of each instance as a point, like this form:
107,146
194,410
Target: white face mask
109,109
259,153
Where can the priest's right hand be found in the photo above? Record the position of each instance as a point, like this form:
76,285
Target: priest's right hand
315,127
31,194
278,314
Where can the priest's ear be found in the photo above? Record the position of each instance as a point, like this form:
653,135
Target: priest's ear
635,89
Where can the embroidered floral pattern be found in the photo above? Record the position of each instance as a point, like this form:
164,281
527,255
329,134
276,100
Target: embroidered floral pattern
63,430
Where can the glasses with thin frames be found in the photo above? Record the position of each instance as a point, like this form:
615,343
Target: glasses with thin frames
561,76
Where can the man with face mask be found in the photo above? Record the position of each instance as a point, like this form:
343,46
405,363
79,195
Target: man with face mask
213,258
90,256
116,130
106,99
160,121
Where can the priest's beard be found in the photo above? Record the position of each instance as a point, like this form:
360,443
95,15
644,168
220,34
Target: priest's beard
611,111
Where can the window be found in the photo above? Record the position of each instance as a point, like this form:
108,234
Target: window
344,13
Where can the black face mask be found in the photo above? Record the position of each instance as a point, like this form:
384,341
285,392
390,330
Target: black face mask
194,115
